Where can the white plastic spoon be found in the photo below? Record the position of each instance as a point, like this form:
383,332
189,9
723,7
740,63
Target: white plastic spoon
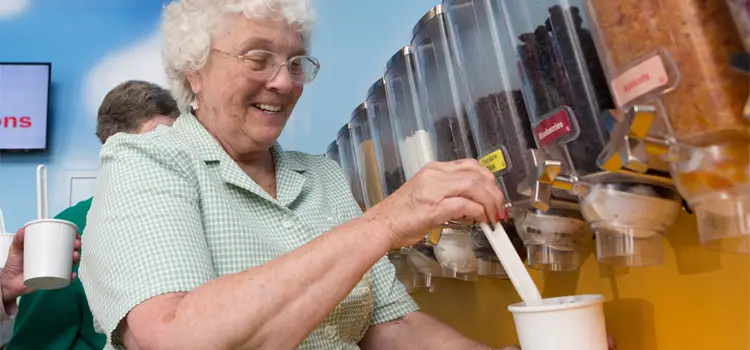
513,264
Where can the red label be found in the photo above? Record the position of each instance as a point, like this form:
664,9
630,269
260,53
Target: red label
553,128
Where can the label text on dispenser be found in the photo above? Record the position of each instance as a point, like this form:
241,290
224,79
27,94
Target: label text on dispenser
553,128
639,80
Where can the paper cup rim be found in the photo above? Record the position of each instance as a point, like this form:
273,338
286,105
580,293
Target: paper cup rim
580,302
51,220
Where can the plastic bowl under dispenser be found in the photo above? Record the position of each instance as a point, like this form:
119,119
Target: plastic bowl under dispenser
489,264
629,221
553,239
454,252
715,182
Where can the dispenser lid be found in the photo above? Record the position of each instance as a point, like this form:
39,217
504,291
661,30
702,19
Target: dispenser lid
344,129
378,85
397,58
434,12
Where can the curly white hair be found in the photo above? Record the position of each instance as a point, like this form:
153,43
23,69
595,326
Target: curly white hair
190,25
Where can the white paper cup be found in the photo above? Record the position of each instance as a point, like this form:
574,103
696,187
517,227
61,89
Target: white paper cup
6,239
566,323
48,253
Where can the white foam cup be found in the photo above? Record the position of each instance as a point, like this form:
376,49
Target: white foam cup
565,323
48,253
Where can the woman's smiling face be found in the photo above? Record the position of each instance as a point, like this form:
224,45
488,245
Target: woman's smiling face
246,91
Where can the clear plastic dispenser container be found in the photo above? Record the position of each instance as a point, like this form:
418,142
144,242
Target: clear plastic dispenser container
438,78
384,138
412,131
495,105
348,163
565,90
672,60
364,150
332,152
495,108
411,125
553,239
635,239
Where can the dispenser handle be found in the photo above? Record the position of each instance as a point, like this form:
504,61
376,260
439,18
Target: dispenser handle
630,144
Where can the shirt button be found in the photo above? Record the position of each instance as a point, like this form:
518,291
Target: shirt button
287,223
333,220
330,331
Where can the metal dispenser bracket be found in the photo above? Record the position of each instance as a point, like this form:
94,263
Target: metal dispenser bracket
545,176
630,144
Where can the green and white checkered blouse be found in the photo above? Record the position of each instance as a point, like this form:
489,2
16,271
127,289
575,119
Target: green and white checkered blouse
171,211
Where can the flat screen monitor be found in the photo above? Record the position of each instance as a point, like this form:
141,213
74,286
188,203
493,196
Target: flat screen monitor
24,106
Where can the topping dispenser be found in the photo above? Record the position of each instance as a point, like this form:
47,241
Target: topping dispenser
348,163
675,61
332,152
412,133
566,93
390,169
502,132
437,77
364,150
384,139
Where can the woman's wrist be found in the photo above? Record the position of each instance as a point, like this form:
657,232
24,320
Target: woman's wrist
377,233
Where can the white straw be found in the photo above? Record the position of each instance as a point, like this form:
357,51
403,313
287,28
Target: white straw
2,223
512,263
41,192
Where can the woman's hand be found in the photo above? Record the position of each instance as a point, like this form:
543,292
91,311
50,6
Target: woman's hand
462,191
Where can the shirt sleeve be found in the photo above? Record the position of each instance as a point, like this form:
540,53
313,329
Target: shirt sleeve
144,235
391,299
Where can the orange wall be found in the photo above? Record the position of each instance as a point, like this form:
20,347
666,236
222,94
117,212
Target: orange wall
696,299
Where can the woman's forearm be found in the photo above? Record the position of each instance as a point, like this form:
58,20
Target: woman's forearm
277,305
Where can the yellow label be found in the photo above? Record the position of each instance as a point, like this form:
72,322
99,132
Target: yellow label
494,161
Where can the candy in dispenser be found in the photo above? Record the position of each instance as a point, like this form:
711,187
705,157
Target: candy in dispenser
496,110
407,108
364,150
566,91
348,163
412,132
564,88
438,78
386,147
332,152
740,10
671,60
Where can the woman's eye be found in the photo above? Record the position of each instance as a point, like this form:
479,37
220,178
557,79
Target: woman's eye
257,61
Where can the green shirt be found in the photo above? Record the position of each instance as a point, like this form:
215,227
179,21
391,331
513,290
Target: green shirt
58,319
198,216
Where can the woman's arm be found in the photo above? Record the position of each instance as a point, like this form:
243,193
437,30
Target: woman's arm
274,306
148,271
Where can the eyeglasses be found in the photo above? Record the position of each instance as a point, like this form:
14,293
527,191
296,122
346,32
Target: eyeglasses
265,65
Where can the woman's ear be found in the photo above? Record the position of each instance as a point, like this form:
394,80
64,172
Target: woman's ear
196,82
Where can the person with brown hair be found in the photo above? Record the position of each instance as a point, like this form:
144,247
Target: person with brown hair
60,319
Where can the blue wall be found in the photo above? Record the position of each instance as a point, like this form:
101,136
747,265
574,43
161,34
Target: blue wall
95,45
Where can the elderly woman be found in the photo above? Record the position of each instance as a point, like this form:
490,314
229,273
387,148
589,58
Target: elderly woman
207,235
